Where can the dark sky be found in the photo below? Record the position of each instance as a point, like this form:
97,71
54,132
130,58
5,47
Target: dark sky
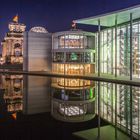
55,15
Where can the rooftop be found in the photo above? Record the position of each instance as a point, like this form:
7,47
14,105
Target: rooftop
108,19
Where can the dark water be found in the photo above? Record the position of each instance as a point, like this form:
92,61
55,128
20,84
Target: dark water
25,111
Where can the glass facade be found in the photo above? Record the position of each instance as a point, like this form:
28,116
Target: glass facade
120,103
88,57
122,51
72,41
73,68
73,53
119,57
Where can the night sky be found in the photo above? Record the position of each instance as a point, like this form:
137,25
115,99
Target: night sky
55,15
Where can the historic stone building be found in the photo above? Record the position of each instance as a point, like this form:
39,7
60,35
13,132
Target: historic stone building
12,45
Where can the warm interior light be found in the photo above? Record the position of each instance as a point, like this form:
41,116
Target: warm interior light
71,110
72,68
73,82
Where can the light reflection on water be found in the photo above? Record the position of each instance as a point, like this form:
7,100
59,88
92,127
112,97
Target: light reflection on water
31,95
34,94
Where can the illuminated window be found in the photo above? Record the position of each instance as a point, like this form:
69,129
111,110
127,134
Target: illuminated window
71,110
71,41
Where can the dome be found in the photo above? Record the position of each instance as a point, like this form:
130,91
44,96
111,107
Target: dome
39,29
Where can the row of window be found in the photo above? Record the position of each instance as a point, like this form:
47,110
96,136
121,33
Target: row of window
73,68
74,41
87,57
74,95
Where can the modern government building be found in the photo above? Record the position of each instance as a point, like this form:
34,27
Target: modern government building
118,55
112,51
73,52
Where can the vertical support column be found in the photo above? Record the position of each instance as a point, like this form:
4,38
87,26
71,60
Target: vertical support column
52,69
96,54
131,113
115,111
131,73
103,52
64,74
84,54
99,32
112,51
26,64
138,118
138,46
138,88
116,46
64,55
99,111
127,47
116,76
131,41
112,103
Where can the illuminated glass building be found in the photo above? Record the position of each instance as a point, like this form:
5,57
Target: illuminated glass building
118,55
73,53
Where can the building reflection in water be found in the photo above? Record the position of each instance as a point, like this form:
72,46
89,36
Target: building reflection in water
25,94
33,94
13,94
36,94
73,103
70,103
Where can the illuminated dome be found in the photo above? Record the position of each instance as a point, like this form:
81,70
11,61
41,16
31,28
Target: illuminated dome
39,29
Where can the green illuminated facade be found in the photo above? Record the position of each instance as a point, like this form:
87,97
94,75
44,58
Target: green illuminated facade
118,55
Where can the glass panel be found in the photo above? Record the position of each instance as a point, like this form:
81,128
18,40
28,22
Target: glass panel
58,57
72,41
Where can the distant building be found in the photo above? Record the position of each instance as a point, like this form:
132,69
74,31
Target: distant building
12,45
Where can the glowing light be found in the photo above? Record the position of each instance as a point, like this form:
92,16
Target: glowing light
72,110
1,61
39,29
91,93
72,37
14,116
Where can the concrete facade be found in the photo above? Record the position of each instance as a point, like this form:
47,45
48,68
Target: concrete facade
37,51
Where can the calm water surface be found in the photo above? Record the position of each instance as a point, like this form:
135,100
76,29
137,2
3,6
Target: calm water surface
25,110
